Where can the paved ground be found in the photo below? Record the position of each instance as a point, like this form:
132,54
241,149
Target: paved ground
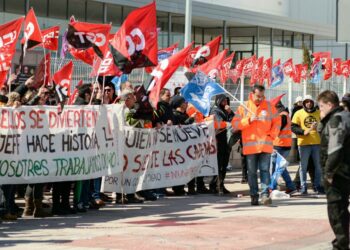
190,222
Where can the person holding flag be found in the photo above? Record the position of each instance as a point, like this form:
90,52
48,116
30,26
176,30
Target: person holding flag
260,125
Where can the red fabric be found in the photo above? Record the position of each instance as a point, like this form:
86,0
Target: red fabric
345,68
237,71
138,33
212,67
304,72
164,71
278,62
105,67
165,50
326,54
276,100
297,73
328,68
3,78
50,38
43,66
337,66
266,71
207,51
225,68
75,92
87,56
83,35
313,66
190,57
249,65
288,68
32,34
63,77
9,33
257,71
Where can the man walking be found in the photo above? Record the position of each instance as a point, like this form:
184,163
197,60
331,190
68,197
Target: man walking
335,161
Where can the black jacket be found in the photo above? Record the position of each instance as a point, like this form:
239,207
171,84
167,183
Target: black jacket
220,114
335,143
164,112
182,118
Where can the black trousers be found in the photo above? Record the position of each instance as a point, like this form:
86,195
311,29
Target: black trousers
223,158
338,214
60,194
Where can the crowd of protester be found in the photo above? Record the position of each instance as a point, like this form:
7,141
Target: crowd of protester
260,127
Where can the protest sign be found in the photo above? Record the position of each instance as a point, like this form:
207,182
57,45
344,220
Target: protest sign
170,156
40,144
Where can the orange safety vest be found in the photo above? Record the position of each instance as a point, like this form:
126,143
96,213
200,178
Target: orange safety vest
257,135
284,139
191,110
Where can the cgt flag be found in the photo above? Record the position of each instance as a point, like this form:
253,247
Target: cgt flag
213,66
135,45
225,68
32,34
62,79
50,38
206,52
42,72
87,56
82,35
200,90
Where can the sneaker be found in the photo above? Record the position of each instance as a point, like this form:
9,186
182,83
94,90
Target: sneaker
100,202
121,200
135,200
255,200
266,201
303,192
226,191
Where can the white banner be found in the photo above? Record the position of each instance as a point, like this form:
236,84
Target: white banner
170,156
37,144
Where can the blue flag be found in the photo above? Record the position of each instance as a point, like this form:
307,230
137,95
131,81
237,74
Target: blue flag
118,80
200,90
280,167
316,73
277,77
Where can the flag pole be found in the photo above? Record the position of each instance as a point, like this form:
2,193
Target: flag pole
242,87
290,93
103,87
242,103
344,85
44,65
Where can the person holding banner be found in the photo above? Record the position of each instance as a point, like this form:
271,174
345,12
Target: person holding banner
260,125
222,113
164,112
335,161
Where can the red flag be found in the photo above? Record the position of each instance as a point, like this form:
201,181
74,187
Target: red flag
50,38
164,71
345,68
337,66
162,54
207,52
32,34
277,99
212,67
86,35
328,68
303,74
257,71
135,45
249,65
266,71
237,71
42,72
313,66
75,93
322,55
105,67
9,33
190,57
225,68
288,68
63,77
3,78
297,73
278,62
87,56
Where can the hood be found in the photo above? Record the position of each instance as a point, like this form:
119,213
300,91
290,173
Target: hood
220,98
309,97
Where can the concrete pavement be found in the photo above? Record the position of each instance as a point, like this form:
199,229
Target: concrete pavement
189,222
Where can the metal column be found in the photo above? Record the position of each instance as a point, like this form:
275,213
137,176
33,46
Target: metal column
188,22
224,34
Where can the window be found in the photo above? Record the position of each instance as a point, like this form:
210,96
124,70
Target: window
77,9
39,6
17,7
94,12
58,9
114,13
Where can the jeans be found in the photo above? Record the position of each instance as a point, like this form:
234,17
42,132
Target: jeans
284,152
305,153
96,188
262,162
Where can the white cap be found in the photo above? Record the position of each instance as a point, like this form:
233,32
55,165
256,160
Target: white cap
298,99
308,97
